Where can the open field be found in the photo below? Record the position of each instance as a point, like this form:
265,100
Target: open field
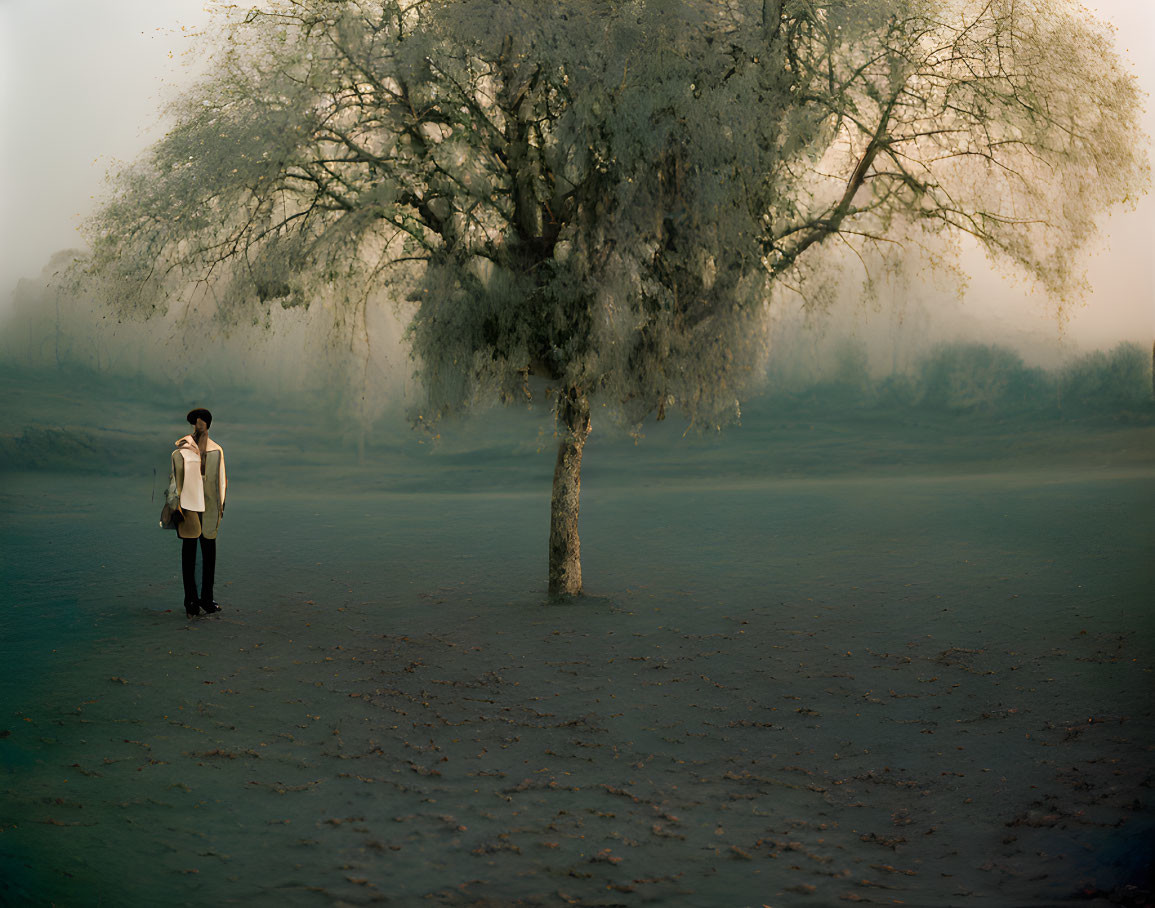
884,658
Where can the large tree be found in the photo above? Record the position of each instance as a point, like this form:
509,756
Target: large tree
605,193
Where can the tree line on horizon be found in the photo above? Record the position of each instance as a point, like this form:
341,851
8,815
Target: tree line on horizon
47,331
973,377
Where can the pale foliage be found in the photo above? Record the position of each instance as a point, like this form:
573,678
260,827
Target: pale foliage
608,194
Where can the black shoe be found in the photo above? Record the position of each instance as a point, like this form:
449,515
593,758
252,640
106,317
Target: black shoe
210,608
192,608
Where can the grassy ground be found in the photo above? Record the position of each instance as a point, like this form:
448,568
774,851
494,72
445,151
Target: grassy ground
883,658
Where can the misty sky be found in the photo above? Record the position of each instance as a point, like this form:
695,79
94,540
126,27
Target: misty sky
83,85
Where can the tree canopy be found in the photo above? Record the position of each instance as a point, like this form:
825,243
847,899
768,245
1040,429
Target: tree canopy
604,193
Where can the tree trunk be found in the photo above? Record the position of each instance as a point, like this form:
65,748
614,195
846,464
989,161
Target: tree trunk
565,566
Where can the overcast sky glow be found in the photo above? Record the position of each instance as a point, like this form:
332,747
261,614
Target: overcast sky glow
83,85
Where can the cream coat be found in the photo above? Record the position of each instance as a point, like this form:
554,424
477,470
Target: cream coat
198,523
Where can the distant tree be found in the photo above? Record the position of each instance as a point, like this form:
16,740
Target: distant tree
979,377
851,375
604,193
1110,380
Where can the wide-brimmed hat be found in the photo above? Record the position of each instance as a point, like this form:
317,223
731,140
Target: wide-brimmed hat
199,413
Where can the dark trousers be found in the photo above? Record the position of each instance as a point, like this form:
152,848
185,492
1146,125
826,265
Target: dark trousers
188,563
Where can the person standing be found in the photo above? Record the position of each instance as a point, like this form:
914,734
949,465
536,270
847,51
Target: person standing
196,490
